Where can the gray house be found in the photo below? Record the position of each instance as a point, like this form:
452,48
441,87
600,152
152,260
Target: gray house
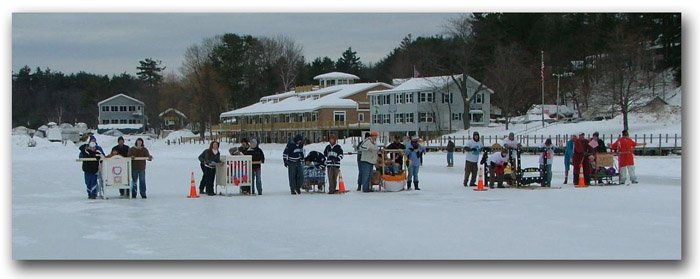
429,105
123,113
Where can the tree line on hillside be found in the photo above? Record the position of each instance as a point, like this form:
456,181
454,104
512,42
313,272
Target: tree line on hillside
614,58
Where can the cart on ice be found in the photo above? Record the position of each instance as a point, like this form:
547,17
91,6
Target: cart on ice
314,172
392,171
236,171
604,168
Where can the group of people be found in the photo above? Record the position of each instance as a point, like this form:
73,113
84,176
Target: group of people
580,152
210,158
91,168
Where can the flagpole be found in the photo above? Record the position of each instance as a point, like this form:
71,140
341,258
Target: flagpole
542,78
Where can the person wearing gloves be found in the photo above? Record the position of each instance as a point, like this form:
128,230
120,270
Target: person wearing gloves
471,167
91,168
625,146
207,161
258,159
414,153
547,154
138,168
293,157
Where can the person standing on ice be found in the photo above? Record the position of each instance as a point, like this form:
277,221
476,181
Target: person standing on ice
122,149
138,167
471,167
547,154
333,153
91,168
207,161
450,152
625,146
512,146
258,158
414,153
368,151
581,152
568,154
293,158
359,159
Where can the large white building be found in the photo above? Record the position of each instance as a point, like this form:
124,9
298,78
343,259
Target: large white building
427,105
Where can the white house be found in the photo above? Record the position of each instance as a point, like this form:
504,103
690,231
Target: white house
427,105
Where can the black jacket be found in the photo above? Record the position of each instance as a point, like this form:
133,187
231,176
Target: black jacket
333,155
91,167
123,150
397,156
258,156
207,157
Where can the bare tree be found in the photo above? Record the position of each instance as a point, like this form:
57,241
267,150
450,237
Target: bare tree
626,69
209,97
509,76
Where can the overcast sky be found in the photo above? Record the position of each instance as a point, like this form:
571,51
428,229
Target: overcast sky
113,43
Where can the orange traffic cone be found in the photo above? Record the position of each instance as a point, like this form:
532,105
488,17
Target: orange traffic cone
581,179
341,183
480,184
193,190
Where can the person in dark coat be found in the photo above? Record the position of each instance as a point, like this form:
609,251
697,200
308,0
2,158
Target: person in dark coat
397,156
91,168
450,152
123,150
258,159
138,168
581,152
293,157
208,161
333,153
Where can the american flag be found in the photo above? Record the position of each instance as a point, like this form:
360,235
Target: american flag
542,71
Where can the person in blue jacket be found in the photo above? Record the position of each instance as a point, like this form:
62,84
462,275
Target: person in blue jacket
293,157
414,153
568,155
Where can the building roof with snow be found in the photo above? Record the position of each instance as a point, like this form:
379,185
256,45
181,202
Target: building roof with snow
426,83
119,96
336,75
174,111
292,102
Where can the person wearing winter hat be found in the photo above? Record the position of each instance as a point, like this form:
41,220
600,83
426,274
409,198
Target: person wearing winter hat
123,150
450,152
293,158
258,159
414,153
333,153
471,165
91,168
138,168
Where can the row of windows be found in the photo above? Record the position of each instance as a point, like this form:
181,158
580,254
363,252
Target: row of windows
423,117
121,121
121,108
423,97
338,116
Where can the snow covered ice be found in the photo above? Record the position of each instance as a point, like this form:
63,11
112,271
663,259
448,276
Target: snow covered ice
53,219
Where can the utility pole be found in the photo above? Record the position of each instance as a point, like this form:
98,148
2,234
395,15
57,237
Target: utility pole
542,78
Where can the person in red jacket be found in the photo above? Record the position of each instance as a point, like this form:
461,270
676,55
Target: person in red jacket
581,152
625,146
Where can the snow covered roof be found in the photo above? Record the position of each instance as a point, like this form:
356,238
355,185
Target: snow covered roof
328,97
174,110
119,126
426,83
336,75
119,95
674,97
